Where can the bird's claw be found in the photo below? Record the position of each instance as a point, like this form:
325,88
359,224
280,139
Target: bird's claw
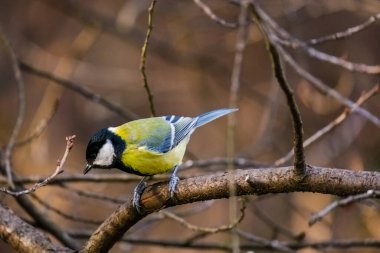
137,196
172,184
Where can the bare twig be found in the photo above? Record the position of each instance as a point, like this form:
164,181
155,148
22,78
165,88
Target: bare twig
346,33
275,226
43,222
153,218
213,16
239,53
58,170
329,127
65,215
40,129
80,89
342,202
241,41
93,195
325,89
266,245
21,108
126,178
290,41
322,56
40,218
274,244
207,230
316,83
144,51
299,159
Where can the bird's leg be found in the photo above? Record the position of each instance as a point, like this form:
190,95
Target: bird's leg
139,189
173,181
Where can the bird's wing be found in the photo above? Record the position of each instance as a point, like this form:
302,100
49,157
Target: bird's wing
180,128
159,134
162,134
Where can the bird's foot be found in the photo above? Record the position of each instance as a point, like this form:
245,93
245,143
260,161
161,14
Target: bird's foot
139,189
172,184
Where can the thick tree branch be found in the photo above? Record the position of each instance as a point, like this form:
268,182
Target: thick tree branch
253,181
24,237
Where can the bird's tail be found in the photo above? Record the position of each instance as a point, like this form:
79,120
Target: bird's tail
211,115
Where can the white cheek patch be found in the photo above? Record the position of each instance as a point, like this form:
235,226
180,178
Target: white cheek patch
105,154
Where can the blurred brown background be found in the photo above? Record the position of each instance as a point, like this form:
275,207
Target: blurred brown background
98,44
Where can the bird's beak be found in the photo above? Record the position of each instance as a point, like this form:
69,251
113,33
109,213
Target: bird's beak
87,169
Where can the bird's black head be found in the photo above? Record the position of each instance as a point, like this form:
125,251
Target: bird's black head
103,150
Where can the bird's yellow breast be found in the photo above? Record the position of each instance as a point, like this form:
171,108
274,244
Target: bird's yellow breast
148,162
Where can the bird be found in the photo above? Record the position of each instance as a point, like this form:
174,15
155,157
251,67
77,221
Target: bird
146,147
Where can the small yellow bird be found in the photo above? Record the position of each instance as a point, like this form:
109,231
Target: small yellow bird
146,147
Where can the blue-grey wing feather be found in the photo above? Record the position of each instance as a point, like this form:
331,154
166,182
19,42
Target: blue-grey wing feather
181,127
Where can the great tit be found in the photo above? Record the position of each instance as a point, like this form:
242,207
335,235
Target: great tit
146,147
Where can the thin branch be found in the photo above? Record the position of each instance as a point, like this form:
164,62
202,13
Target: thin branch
40,129
80,89
239,54
216,186
299,159
93,195
316,83
273,244
43,222
207,230
153,218
345,244
325,89
65,215
144,51
322,56
207,10
240,45
329,127
127,178
346,33
58,170
275,226
342,202
21,108
292,42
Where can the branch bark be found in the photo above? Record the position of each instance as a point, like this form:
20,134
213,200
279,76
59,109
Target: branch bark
24,237
252,181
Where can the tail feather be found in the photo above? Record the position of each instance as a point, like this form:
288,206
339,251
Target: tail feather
212,115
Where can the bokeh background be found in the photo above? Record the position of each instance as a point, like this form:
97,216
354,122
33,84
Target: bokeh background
97,44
